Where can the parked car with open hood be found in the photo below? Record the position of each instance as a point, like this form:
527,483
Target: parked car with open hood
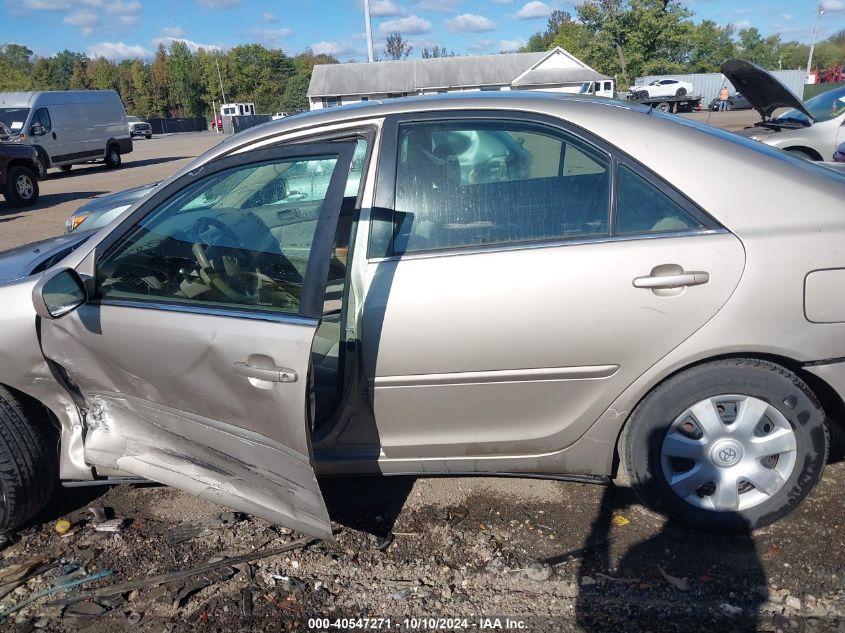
509,283
812,129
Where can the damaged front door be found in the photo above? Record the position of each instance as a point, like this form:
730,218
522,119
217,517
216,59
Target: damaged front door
192,354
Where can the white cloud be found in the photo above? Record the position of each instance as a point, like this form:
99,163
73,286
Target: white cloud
47,5
482,45
87,21
385,9
411,24
119,7
117,51
173,32
533,9
219,4
742,11
268,17
833,5
192,46
787,16
470,23
270,36
741,25
338,49
511,45
441,6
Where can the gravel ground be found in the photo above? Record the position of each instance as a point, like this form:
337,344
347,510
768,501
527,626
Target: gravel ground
554,556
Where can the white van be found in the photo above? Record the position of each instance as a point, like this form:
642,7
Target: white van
68,127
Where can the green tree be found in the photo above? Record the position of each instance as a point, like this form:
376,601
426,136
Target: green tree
183,76
296,93
160,83
102,74
17,57
12,79
710,45
79,78
144,103
435,52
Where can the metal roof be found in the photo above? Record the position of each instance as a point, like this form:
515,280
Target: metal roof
443,72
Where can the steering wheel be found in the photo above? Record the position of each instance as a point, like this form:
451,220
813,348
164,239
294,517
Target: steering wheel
231,270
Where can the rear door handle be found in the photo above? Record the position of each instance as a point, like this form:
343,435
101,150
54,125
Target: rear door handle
672,281
276,374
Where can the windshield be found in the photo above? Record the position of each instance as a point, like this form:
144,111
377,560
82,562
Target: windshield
823,107
13,118
133,119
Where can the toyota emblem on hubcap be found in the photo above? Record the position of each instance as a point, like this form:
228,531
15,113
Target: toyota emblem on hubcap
726,453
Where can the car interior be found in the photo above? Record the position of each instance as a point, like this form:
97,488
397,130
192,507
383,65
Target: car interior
474,186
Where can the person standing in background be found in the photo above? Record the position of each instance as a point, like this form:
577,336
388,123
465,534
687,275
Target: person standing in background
723,99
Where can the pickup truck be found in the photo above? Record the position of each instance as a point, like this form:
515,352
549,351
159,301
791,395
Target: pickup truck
19,174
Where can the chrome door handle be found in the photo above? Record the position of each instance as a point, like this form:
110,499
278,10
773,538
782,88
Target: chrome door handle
672,281
276,374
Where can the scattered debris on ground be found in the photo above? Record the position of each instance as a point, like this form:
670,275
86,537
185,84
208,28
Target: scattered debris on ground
558,556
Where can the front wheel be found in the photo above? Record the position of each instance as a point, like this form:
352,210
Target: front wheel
21,187
28,471
113,157
728,445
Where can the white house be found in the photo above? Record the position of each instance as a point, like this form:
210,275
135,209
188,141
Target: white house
554,71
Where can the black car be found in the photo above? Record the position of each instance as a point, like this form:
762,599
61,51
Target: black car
735,102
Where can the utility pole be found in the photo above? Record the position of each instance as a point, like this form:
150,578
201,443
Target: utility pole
220,78
370,55
813,45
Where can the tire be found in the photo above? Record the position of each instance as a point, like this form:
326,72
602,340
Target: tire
28,468
21,187
113,159
42,163
663,106
657,430
681,92
148,136
66,168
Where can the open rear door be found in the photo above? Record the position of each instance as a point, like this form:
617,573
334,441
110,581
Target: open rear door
192,354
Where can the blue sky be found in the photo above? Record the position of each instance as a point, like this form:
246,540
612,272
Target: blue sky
127,28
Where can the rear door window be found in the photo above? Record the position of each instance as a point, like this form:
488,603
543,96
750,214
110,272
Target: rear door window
463,184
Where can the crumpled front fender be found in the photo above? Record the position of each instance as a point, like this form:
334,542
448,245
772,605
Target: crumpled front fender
23,367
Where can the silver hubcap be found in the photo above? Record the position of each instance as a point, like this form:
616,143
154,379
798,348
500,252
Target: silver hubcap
24,187
729,453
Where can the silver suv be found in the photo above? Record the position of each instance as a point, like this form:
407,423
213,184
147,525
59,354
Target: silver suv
516,284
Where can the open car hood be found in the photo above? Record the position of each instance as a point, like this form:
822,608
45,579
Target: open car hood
31,259
765,93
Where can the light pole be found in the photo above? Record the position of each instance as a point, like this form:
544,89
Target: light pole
370,55
813,45
219,77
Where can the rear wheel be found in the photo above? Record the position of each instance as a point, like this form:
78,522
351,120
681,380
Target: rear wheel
113,159
42,163
681,92
732,445
28,470
21,187
664,106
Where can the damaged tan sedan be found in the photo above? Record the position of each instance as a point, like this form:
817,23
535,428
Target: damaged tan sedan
515,284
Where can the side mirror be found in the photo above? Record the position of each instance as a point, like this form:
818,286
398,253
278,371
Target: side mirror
58,293
36,129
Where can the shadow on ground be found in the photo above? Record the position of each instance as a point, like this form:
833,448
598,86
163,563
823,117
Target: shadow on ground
88,168
370,504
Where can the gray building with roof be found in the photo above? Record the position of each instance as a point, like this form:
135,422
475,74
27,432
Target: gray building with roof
553,71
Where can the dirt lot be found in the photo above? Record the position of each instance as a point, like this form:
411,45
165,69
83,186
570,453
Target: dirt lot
537,555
